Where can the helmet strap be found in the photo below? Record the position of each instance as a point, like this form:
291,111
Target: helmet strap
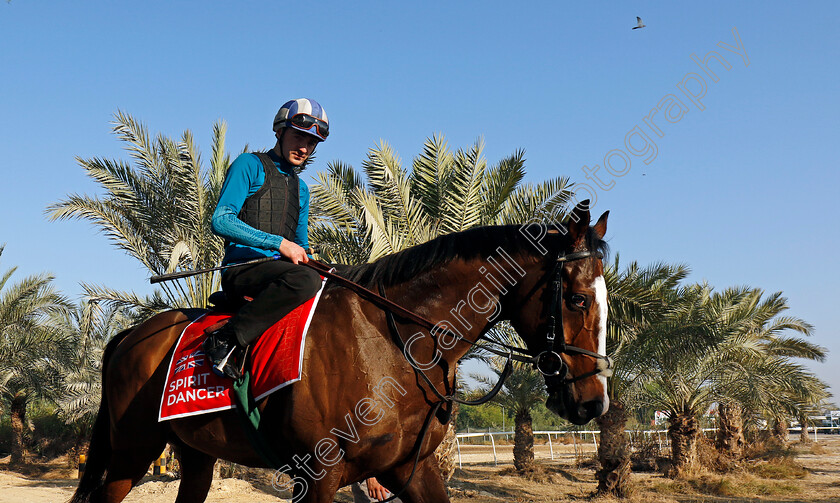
278,147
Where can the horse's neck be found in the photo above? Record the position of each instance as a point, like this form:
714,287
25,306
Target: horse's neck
468,300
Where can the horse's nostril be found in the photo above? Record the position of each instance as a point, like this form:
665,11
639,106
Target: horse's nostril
592,408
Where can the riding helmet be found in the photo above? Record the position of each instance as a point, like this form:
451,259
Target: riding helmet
303,106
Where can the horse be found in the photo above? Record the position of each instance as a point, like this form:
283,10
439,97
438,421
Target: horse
365,405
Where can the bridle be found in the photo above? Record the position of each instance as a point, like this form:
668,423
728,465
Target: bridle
549,362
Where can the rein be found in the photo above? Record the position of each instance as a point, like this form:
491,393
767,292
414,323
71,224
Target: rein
391,307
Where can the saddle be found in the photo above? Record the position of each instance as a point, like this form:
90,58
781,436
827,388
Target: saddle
220,302
275,360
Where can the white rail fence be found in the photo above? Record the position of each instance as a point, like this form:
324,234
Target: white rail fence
586,441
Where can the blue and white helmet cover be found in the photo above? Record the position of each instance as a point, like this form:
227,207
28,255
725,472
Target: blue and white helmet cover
299,106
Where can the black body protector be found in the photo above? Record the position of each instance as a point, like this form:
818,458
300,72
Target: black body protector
275,207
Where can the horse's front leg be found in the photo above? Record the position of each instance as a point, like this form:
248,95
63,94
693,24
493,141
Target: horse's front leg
427,486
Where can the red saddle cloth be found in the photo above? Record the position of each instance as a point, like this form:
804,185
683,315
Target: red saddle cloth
274,362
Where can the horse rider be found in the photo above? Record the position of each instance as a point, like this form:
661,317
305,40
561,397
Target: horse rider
263,210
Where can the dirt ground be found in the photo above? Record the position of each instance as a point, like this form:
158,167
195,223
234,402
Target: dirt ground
567,478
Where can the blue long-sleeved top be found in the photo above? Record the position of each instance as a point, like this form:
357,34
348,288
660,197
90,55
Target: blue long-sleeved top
245,176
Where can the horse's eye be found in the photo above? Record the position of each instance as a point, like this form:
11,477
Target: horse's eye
580,301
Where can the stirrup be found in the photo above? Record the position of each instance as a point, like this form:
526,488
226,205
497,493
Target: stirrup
229,367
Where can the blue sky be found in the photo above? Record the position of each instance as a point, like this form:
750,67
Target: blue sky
744,191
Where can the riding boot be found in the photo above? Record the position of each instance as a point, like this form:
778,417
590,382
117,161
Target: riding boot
227,357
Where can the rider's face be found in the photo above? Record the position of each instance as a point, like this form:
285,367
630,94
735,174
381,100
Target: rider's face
296,146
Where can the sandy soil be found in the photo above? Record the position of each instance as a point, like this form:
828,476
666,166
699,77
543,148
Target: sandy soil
481,480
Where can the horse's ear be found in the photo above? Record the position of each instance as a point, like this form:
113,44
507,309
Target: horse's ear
601,226
579,219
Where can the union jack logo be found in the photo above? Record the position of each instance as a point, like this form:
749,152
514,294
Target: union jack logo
192,360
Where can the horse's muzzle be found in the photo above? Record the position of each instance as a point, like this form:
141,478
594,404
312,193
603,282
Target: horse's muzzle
561,400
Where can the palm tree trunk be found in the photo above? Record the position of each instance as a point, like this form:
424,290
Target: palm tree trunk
613,452
18,418
803,429
682,432
523,441
730,437
446,451
779,430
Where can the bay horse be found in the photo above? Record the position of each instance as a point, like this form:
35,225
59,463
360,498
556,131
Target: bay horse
361,408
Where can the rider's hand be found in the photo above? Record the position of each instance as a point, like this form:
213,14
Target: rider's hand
376,490
293,252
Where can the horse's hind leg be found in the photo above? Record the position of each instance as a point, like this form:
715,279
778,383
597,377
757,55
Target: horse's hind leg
125,469
196,475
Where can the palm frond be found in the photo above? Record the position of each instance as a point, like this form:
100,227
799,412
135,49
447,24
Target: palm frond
498,184
159,209
543,202
462,206
430,178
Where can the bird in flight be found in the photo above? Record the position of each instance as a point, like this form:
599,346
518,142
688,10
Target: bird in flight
639,23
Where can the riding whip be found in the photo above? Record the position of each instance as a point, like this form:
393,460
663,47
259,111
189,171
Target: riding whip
187,274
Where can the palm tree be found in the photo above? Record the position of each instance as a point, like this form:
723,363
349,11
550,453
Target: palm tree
676,357
764,379
718,347
157,210
797,390
30,348
805,410
637,297
89,327
360,217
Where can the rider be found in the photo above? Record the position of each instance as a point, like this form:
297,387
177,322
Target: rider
263,210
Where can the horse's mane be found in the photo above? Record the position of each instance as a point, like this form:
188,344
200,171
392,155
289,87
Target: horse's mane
401,266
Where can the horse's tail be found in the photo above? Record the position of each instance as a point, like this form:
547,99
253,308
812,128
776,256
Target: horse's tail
99,450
